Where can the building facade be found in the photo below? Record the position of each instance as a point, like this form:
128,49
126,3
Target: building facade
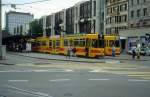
139,23
139,13
16,19
89,17
84,17
116,16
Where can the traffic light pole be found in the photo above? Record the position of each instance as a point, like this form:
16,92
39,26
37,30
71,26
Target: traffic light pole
2,48
0,23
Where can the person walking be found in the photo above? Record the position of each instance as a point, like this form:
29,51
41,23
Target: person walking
68,52
113,50
133,53
74,52
138,51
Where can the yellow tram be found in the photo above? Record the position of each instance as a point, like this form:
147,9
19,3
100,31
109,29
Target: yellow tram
87,45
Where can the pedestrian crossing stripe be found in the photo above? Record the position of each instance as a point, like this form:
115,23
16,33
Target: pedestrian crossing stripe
140,75
146,77
128,72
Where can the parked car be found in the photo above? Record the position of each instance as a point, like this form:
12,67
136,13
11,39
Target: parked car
147,51
130,51
143,51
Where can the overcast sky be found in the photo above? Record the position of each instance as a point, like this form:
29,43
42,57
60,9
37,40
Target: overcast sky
38,9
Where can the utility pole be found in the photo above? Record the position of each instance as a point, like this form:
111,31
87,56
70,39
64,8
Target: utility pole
2,48
0,23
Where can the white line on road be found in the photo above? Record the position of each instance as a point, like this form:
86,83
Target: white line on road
39,94
29,71
18,80
99,79
59,80
24,93
112,61
136,80
94,70
69,70
97,71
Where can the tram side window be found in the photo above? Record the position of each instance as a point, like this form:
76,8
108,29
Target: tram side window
33,44
50,43
65,42
111,43
76,42
98,43
38,43
57,43
101,43
114,42
82,43
117,43
43,43
94,43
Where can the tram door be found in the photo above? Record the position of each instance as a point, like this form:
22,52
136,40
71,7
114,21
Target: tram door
87,47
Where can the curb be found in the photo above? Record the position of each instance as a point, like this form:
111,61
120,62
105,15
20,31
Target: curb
6,64
129,59
61,59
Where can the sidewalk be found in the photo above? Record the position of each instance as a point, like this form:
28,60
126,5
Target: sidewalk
122,57
11,58
59,57
128,57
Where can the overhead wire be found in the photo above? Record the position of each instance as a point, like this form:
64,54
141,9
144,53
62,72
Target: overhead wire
26,3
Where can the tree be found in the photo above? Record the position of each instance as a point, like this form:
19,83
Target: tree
35,28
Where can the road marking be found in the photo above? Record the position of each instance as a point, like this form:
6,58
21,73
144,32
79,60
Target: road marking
99,79
136,80
146,77
18,80
59,80
40,94
69,70
41,70
140,75
129,72
96,71
24,93
112,61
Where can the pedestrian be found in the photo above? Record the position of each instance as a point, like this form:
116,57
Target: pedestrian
113,50
138,51
68,52
28,47
133,53
74,52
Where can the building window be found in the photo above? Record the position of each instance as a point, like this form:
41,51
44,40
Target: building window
144,1
125,7
138,2
124,18
132,2
145,12
132,14
138,13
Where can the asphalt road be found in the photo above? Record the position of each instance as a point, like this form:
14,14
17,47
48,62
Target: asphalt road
40,78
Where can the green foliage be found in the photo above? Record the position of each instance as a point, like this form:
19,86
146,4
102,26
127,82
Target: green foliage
35,28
